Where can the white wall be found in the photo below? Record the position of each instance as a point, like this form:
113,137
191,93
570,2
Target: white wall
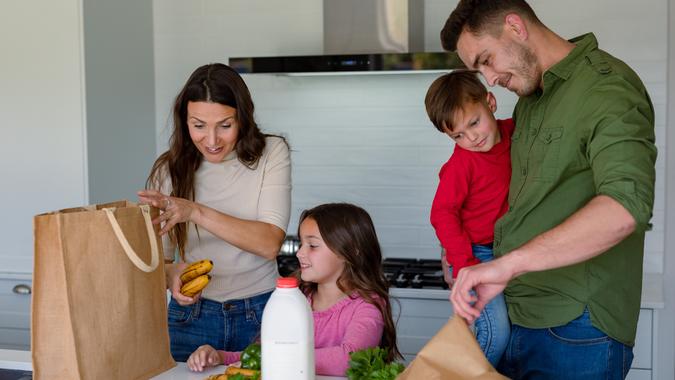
192,33
42,149
366,139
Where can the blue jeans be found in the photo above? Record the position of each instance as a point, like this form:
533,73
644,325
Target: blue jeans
576,350
229,326
492,327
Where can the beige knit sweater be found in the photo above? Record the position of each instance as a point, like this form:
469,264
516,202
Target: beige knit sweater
262,194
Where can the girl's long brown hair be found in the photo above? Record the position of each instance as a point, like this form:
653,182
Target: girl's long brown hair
216,83
349,232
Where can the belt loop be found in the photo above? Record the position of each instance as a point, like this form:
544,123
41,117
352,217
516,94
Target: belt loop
196,308
250,310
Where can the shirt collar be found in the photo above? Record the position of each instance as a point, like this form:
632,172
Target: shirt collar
584,44
229,157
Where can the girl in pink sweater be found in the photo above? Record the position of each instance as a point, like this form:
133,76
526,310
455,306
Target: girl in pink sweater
341,275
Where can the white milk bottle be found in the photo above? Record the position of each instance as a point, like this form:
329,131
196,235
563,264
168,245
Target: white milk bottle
287,336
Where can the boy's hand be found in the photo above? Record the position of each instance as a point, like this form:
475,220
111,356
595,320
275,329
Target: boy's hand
204,356
447,276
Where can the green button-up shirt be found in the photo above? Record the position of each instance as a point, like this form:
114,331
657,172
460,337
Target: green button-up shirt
590,131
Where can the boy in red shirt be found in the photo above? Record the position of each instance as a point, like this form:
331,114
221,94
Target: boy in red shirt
473,188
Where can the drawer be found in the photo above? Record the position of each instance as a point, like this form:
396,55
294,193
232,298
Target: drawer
421,307
408,358
14,308
639,374
418,321
642,352
15,339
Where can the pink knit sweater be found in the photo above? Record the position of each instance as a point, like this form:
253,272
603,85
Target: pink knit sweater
350,325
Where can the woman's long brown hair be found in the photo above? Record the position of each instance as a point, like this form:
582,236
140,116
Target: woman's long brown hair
215,83
349,232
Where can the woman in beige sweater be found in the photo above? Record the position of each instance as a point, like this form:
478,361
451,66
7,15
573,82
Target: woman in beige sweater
224,188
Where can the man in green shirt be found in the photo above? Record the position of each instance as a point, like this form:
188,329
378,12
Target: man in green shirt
570,247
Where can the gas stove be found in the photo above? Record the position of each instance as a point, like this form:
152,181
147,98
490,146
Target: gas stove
414,273
401,273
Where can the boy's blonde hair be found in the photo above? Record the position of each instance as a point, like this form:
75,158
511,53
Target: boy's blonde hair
450,93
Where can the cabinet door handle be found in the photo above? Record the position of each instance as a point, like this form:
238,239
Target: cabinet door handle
22,289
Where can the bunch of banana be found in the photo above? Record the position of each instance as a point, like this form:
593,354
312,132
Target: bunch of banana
195,270
195,278
195,285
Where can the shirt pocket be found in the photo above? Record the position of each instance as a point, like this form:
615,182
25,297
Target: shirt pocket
545,157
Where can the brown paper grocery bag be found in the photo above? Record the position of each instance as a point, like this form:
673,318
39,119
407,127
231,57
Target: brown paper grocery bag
451,354
98,307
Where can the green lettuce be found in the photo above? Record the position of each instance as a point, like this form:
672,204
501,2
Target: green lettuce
371,364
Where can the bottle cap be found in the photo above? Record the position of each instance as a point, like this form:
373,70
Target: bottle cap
287,282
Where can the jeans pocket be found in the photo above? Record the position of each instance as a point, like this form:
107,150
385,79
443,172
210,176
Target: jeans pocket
575,335
179,315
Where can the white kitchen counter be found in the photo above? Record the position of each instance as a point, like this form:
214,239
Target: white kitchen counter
652,292
181,372
13,359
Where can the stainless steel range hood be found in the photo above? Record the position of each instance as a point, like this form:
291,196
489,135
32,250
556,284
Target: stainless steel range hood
362,36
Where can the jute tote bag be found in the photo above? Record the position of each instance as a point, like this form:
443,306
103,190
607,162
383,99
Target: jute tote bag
98,307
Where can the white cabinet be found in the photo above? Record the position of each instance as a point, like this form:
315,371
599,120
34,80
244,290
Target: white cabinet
639,374
418,320
642,352
42,151
15,312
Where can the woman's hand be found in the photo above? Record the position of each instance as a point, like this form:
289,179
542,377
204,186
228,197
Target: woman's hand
175,210
204,356
173,283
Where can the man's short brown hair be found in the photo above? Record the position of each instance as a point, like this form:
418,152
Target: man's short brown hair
449,93
480,17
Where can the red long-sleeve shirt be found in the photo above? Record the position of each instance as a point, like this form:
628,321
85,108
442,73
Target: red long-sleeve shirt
472,194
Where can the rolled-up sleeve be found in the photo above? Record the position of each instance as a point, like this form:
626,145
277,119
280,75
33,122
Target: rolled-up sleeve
621,149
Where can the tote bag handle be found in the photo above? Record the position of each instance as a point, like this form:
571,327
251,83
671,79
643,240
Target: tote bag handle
131,254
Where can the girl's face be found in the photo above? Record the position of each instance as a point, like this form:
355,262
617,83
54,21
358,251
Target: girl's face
318,263
213,129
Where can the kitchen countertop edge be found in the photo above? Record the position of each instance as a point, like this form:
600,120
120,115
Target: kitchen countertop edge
652,292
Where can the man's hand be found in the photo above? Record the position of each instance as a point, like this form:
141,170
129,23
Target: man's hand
476,286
